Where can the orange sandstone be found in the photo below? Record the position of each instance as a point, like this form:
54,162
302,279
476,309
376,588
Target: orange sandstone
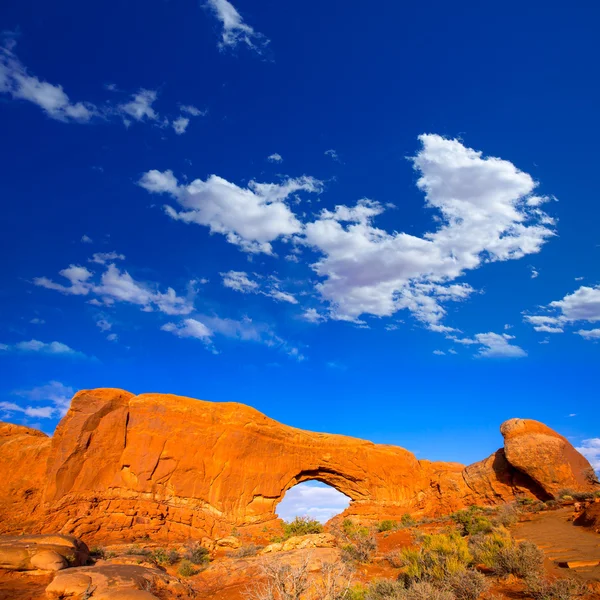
121,466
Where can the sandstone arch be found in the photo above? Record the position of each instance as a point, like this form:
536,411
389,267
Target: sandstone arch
124,466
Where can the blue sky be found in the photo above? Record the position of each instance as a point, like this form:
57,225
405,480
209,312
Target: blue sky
380,221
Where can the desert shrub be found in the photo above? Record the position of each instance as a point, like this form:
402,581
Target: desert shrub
186,568
163,557
286,582
565,492
466,585
98,552
301,526
525,501
485,547
439,557
136,550
387,525
507,515
583,496
471,521
557,589
425,590
246,551
357,543
394,557
385,589
407,520
523,560
197,554
356,592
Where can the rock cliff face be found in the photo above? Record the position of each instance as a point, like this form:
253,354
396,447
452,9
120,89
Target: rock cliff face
123,466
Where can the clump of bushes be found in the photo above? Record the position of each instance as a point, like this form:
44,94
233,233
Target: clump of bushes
557,589
135,550
301,526
387,525
187,569
506,516
197,554
246,551
163,557
439,557
471,521
407,520
358,543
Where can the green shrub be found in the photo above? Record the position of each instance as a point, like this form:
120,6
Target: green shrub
163,557
301,526
485,547
425,590
246,551
197,554
439,557
523,560
98,552
387,525
471,521
135,550
557,589
385,589
467,585
357,542
187,569
507,515
525,501
407,521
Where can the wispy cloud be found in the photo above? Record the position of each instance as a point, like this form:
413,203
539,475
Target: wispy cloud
235,30
45,348
58,394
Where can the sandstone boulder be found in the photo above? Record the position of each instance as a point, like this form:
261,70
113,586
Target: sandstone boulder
113,582
44,552
546,457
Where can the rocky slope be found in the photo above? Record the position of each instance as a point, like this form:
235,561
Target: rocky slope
125,466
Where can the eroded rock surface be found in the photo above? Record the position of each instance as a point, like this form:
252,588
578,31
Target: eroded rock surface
122,466
41,552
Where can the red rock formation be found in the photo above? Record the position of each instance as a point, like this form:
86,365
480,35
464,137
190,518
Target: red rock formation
23,457
173,467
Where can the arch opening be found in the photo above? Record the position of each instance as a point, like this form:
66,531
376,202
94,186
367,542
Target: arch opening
312,498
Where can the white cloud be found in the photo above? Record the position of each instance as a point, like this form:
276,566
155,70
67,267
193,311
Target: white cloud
139,107
277,294
534,273
189,328
118,286
591,450
589,334
192,110
332,154
52,99
275,157
439,352
235,30
250,217
493,345
112,337
86,239
485,217
59,394
582,306
180,125
104,325
312,315
49,348
102,258
318,501
37,321
239,281
205,327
